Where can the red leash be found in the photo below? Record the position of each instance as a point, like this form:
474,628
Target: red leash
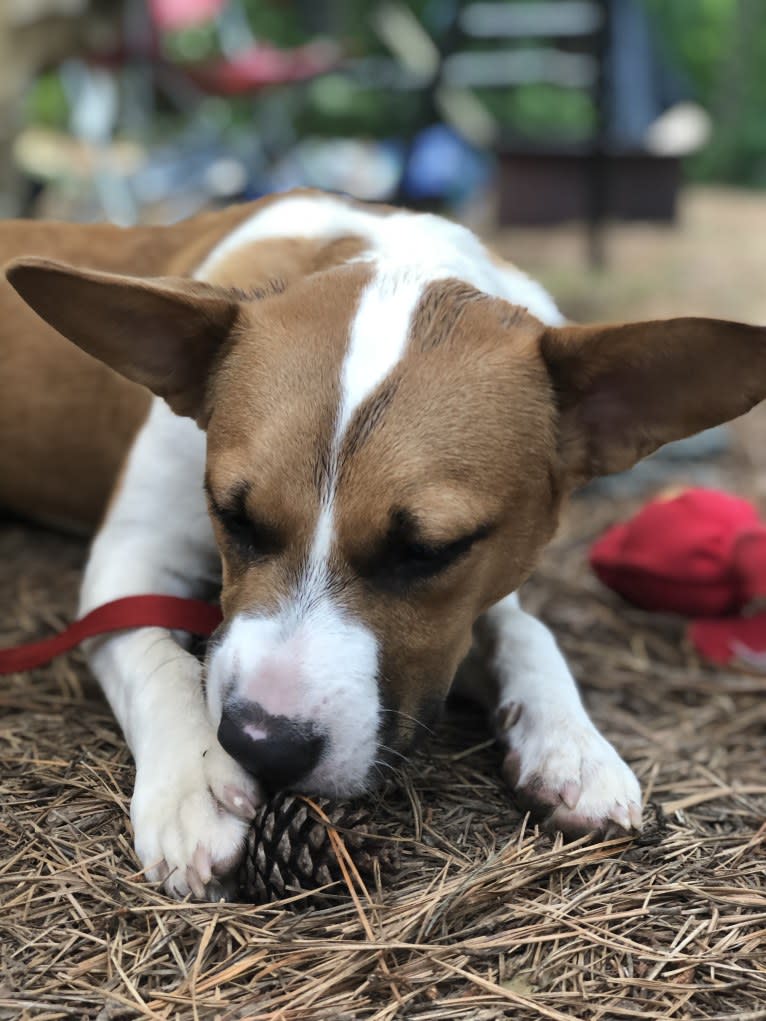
172,612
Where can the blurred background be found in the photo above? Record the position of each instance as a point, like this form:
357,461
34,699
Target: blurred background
614,148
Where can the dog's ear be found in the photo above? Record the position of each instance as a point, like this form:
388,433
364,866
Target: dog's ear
624,390
164,333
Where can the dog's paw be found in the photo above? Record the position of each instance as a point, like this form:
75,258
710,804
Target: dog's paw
190,814
565,773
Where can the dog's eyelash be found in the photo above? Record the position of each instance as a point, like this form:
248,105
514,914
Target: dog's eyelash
250,537
254,538
433,558
404,562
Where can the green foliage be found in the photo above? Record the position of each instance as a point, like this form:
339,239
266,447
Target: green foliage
192,44
721,45
336,106
272,21
698,35
46,103
542,112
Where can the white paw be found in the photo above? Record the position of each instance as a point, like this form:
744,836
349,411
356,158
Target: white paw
190,813
566,773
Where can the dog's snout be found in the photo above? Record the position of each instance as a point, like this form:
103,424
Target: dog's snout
278,751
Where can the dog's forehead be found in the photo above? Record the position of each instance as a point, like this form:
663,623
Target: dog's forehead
455,420
364,376
391,283
276,394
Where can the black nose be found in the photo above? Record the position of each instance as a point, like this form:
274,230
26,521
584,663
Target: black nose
276,750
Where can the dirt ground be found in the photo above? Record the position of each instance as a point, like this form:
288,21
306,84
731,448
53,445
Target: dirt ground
712,262
486,917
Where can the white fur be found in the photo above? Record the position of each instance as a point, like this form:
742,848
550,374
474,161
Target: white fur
378,338
191,800
158,526
551,733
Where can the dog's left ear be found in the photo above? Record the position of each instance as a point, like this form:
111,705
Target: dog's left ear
164,333
624,390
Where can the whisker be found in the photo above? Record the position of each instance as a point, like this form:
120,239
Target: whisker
413,719
393,751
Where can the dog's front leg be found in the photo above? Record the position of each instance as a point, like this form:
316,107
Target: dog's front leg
557,763
191,802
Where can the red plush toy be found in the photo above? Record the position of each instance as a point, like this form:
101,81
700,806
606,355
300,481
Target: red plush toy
701,554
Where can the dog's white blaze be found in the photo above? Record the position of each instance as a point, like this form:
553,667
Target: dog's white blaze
321,543
378,338
335,666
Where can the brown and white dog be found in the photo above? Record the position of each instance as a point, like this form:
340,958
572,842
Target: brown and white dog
364,429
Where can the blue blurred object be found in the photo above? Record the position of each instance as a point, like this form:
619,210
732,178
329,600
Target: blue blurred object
440,167
443,167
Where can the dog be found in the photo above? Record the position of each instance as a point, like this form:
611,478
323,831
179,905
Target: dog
360,425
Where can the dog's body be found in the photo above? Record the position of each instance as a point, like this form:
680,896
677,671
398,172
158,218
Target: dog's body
388,419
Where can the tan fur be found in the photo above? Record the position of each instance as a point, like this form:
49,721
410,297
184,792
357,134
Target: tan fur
280,261
624,389
274,403
61,446
63,415
66,420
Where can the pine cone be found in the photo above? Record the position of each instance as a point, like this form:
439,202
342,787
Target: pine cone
289,848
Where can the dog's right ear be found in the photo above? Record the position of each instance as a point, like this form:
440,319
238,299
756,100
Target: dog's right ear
164,332
625,389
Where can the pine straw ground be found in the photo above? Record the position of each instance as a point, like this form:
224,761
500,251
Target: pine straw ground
485,917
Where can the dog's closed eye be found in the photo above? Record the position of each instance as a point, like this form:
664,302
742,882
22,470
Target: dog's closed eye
253,539
249,536
405,558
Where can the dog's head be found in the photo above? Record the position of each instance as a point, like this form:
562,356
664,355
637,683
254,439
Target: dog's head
386,459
